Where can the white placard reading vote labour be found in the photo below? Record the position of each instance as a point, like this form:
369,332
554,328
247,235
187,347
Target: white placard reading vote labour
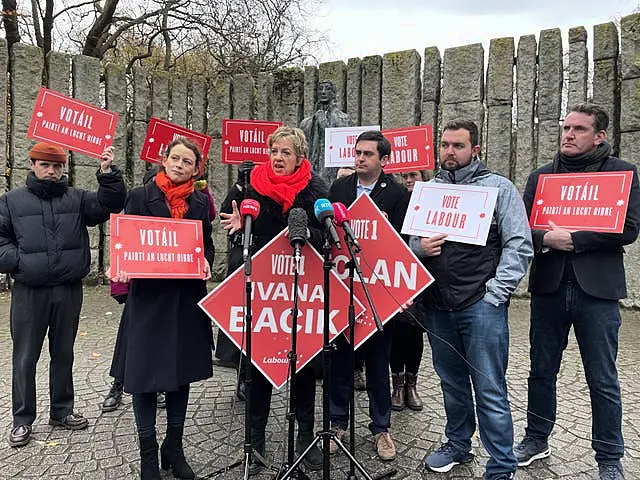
462,212
340,143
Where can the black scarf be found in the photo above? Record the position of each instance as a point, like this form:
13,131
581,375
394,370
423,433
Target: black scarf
590,161
46,189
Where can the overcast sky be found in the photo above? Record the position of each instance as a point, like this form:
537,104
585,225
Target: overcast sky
373,27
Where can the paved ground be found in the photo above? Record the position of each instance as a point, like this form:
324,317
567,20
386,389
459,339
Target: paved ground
214,428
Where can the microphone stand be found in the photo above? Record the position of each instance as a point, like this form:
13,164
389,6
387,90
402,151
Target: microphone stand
353,265
291,414
326,434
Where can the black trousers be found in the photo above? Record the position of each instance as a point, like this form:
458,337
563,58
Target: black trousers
36,312
407,346
305,398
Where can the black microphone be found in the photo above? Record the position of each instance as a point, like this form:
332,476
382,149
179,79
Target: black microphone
342,219
249,210
324,213
298,222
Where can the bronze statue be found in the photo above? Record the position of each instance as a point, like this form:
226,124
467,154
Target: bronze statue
327,115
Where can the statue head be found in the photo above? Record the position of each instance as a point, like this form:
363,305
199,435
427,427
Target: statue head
326,92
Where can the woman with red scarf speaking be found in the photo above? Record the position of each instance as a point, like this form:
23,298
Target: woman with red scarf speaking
282,183
164,340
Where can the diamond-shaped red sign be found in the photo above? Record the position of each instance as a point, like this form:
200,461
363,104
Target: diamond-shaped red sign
391,271
272,280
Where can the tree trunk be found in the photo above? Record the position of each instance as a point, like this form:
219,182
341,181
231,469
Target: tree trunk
10,21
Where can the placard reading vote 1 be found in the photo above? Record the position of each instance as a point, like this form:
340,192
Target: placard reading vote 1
462,212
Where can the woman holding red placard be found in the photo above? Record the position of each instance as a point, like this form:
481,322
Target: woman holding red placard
164,341
282,183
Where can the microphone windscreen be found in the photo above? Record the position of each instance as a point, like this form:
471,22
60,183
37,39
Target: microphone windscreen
323,209
298,222
341,213
249,207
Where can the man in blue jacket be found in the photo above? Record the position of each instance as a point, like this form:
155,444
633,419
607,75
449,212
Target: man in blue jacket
577,279
44,246
467,311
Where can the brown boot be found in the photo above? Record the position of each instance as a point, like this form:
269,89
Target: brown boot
397,397
411,395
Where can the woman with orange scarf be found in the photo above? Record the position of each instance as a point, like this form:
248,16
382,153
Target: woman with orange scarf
282,183
164,340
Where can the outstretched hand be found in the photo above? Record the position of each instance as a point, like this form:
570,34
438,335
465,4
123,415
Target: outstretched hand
232,222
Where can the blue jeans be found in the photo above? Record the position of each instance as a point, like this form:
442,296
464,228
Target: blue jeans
596,323
376,351
479,335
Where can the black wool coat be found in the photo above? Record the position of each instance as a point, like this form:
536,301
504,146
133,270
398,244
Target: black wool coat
164,340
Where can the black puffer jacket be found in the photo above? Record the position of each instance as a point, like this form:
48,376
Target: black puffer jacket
43,227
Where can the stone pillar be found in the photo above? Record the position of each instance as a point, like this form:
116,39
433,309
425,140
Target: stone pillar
401,89
140,113
4,172
431,90
288,96
526,64
179,101
578,66
243,97
336,72
86,87
264,97
219,101
463,85
310,90
630,132
371,90
160,81
499,106
27,63
197,115
354,90
606,91
59,72
549,94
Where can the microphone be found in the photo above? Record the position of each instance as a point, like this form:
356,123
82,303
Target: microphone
298,222
249,210
342,219
324,213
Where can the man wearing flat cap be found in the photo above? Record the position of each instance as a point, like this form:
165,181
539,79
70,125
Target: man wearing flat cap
44,246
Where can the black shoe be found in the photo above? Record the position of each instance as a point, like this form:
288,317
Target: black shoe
149,469
20,436
162,401
172,455
73,421
313,458
610,472
114,398
531,449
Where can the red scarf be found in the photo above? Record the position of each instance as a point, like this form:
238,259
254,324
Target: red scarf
281,188
176,195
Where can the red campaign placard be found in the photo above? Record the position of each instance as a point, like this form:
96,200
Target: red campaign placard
272,287
595,201
161,133
246,140
411,149
156,247
71,123
391,271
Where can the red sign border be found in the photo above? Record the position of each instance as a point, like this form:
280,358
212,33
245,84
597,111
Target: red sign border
225,124
418,128
185,132
42,93
420,265
626,174
186,276
240,347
